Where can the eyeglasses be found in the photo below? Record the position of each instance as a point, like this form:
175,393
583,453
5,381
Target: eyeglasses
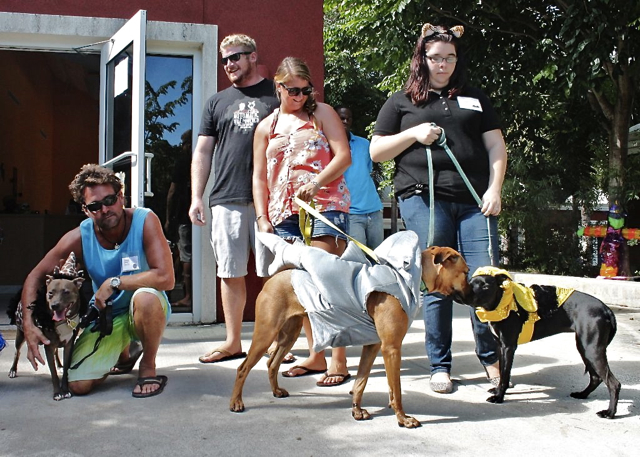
234,57
109,200
438,59
295,91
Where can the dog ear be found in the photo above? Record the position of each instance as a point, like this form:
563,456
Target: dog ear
49,279
430,270
78,282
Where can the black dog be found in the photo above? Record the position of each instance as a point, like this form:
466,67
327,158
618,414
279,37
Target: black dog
592,321
56,311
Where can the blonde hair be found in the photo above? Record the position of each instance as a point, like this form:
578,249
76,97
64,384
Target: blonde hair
239,39
292,67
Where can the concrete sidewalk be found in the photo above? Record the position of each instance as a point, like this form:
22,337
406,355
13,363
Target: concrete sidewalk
192,417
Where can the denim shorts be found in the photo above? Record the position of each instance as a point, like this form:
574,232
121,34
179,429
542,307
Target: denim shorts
289,229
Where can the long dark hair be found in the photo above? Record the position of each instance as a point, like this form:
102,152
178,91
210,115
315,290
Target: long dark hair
418,85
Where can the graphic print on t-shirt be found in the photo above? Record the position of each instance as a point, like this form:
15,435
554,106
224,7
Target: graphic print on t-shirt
246,117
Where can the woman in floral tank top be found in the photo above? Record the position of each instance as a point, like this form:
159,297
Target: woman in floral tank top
301,150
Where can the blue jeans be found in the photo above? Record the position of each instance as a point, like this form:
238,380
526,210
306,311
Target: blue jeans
367,228
289,229
462,227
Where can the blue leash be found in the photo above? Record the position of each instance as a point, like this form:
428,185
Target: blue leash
442,142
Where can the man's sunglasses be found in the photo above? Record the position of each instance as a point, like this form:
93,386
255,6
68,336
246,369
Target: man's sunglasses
234,57
295,91
109,200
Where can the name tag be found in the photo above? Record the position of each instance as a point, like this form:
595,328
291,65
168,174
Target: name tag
130,263
469,103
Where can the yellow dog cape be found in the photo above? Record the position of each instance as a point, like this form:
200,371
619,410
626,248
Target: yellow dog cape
524,296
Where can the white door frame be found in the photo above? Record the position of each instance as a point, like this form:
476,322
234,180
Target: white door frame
40,32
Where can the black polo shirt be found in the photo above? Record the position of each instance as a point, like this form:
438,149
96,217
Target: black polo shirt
464,119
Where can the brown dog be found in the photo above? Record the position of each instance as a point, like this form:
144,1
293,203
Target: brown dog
279,316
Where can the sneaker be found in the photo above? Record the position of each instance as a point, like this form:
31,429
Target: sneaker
441,382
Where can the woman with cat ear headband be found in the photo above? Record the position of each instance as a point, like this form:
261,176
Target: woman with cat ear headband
438,105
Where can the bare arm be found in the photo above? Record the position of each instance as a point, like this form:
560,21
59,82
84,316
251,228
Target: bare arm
200,170
159,276
337,137
260,187
492,199
389,146
71,241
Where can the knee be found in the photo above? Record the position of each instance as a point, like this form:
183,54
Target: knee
80,387
146,303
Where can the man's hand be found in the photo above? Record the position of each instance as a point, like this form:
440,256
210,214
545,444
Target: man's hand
34,337
196,213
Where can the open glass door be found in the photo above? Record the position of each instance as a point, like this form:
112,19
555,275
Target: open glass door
122,106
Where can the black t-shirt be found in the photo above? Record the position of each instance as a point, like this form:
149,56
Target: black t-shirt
231,116
464,119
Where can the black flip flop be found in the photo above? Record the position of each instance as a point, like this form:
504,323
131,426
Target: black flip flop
135,351
158,380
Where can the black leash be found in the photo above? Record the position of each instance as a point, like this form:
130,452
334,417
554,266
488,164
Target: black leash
102,320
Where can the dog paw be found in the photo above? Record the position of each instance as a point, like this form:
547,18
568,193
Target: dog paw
58,397
280,393
495,399
409,422
360,414
13,374
236,406
606,414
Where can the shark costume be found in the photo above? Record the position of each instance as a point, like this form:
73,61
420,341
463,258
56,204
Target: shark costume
334,290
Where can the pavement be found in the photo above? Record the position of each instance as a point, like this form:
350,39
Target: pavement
192,417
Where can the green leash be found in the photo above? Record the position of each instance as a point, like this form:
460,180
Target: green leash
442,142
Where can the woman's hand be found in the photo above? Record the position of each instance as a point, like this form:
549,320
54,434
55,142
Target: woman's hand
264,224
308,191
491,203
426,133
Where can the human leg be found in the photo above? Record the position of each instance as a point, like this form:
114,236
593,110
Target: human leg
90,368
358,227
474,242
437,309
233,293
149,314
374,229
231,241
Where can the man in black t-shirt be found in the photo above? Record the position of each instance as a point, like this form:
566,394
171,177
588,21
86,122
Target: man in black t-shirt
228,123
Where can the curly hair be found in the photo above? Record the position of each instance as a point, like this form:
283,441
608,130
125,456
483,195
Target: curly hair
292,67
418,85
91,175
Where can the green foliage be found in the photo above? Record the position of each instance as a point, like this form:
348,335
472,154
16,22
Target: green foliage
562,75
157,122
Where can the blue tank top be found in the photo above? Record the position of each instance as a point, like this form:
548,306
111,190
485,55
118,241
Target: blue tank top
128,259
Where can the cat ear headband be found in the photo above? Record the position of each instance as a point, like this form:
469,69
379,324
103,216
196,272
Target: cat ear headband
429,30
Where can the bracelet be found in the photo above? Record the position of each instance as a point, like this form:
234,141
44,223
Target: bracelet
262,215
315,183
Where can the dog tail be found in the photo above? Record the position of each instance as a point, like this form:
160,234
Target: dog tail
13,306
614,325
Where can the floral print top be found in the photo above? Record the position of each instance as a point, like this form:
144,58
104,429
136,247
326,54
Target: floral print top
294,160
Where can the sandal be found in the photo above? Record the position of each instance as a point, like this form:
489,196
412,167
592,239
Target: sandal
135,351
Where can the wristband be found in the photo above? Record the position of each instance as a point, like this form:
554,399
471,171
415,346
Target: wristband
315,183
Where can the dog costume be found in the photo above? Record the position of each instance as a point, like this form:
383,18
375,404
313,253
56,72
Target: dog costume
334,290
515,295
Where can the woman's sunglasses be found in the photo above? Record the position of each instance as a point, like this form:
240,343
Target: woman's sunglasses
109,200
234,57
295,91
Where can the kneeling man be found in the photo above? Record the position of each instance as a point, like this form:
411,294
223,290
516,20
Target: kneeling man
128,259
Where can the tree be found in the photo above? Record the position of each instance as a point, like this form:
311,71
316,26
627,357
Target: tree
546,64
